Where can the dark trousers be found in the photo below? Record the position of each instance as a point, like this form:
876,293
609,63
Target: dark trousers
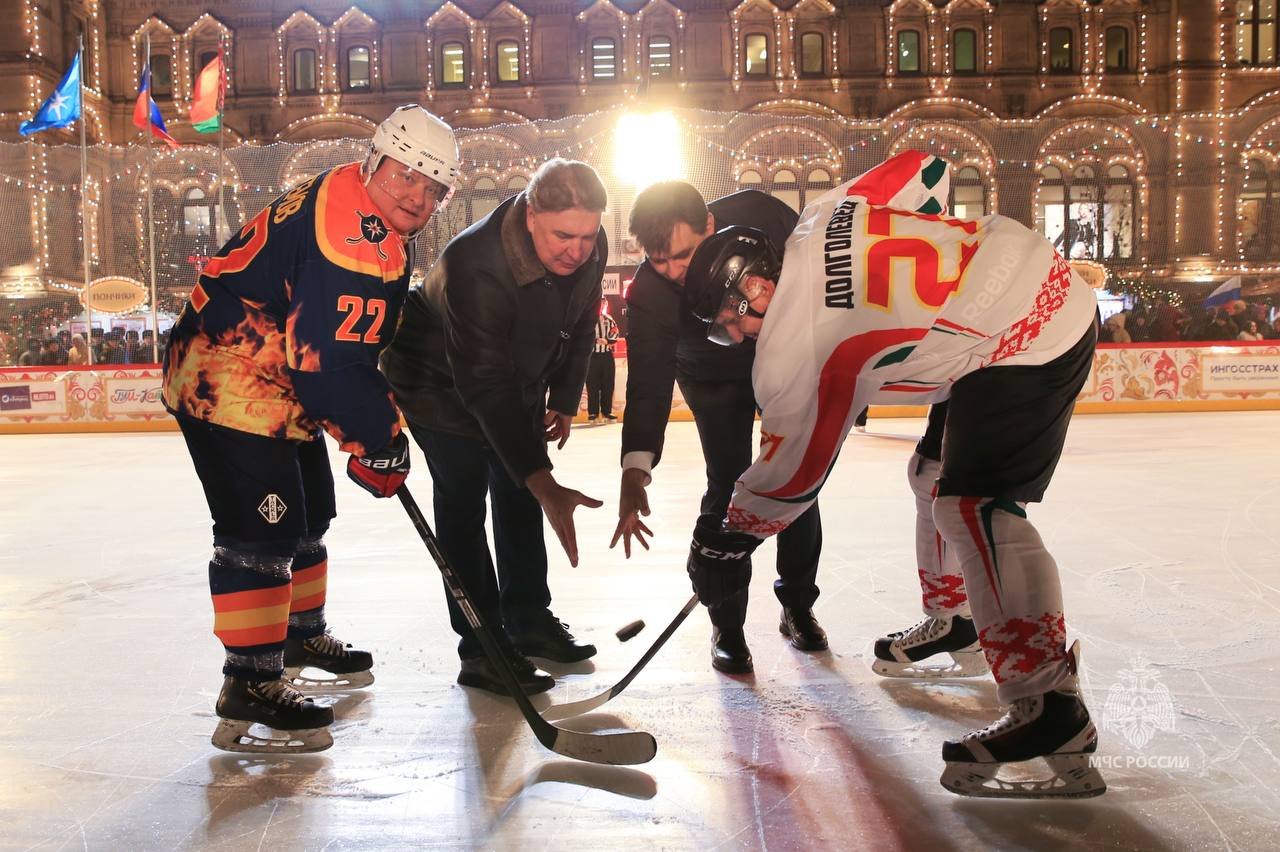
724,413
463,472
600,372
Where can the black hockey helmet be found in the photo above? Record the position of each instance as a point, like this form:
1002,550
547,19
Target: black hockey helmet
720,264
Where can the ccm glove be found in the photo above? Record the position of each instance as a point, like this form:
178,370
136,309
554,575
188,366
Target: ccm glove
383,472
719,561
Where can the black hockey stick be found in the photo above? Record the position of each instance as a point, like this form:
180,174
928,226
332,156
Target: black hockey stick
575,708
623,748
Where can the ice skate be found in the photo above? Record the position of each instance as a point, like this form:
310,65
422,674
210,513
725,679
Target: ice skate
1054,727
273,704
348,667
907,652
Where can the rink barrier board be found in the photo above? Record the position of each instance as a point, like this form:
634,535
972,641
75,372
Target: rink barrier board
1125,378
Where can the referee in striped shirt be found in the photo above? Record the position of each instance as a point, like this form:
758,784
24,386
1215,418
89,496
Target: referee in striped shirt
600,370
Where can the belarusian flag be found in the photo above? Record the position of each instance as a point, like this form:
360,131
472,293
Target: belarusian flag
206,109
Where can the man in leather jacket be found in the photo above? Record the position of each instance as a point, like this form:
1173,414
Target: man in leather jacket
488,366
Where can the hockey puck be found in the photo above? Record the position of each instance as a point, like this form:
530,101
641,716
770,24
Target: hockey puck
629,631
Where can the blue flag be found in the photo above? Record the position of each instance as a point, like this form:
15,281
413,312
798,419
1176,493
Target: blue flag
62,107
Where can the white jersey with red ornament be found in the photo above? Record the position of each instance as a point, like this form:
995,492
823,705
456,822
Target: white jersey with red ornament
883,299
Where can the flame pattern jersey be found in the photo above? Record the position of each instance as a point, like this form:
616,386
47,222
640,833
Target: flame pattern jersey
883,299
281,334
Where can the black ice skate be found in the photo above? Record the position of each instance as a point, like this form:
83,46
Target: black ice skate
1054,727
271,704
904,654
348,667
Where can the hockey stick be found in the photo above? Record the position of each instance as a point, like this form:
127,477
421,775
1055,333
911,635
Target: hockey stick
619,749
574,708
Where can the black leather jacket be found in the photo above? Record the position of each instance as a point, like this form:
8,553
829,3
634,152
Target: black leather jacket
492,340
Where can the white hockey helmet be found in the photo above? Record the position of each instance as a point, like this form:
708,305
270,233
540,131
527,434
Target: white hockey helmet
421,141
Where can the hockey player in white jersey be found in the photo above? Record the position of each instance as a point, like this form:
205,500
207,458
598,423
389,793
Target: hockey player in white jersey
883,299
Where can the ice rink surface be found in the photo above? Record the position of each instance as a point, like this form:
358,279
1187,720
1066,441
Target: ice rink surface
1165,528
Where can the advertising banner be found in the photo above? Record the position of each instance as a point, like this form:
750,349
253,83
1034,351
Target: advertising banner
1245,372
134,395
28,398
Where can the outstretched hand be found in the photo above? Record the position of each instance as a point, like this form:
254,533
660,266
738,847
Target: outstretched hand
558,504
633,502
556,428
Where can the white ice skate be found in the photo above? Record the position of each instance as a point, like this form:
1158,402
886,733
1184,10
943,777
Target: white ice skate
342,667
250,710
1004,759
909,653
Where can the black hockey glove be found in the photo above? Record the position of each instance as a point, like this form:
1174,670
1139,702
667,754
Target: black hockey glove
719,561
383,472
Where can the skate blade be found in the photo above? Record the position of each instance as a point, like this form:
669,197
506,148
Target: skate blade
236,735
326,683
1072,777
963,664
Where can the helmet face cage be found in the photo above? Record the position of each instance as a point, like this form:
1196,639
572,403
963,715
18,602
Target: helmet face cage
718,300
417,139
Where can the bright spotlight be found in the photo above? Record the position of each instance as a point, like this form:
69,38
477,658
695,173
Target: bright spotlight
647,148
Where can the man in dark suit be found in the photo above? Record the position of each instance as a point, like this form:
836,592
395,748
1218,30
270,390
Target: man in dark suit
488,366
666,344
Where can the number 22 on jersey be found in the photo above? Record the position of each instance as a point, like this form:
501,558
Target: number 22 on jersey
927,283
355,307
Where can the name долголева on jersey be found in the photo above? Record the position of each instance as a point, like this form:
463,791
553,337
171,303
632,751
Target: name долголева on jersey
889,303
282,333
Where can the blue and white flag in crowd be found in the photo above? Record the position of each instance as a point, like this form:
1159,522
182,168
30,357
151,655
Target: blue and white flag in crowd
62,107
1225,294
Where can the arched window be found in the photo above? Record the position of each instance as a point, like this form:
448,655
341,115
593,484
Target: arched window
816,183
968,194
1257,213
1088,214
358,68
812,54
197,213
660,58
908,52
785,189
1117,214
1061,50
1051,210
484,198
508,56
964,51
304,70
756,55
161,75
1117,49
517,183
750,177
453,64
1256,32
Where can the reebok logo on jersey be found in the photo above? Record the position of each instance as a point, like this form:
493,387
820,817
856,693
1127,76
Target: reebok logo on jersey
272,508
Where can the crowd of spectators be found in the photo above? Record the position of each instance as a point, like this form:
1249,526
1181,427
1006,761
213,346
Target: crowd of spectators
117,346
1163,322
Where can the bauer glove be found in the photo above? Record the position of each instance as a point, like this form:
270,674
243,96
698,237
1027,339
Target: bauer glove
383,472
719,561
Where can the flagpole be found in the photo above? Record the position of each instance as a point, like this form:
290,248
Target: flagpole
84,213
151,230
222,123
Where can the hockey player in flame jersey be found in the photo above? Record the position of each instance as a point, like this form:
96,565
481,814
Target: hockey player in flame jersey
883,299
279,343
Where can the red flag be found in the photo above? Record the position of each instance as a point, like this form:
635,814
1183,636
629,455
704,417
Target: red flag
145,112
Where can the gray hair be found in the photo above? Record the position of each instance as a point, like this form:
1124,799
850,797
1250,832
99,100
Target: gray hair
561,184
